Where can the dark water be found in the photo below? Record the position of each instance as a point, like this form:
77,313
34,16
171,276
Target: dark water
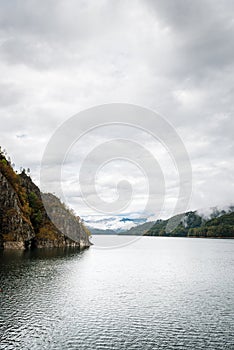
158,293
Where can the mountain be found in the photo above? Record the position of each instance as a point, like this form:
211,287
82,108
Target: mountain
97,231
220,224
112,224
138,230
182,224
24,220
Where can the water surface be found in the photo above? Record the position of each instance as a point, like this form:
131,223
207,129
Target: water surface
158,293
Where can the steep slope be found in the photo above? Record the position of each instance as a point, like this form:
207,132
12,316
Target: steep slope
222,226
16,230
98,231
138,230
24,222
191,224
66,220
186,221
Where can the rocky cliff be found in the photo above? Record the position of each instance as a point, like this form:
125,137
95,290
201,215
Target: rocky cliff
24,221
16,230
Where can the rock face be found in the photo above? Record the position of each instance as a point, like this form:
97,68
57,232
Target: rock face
65,219
24,222
16,231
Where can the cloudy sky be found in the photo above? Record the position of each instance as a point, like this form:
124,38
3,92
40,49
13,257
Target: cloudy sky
59,57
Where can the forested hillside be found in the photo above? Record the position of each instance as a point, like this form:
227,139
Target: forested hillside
220,224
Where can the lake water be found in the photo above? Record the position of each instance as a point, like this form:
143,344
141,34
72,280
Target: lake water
158,293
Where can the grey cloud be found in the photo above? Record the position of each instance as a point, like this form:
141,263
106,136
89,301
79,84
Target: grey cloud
58,57
203,34
47,35
10,94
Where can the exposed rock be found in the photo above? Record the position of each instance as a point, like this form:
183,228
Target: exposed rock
15,227
24,222
65,220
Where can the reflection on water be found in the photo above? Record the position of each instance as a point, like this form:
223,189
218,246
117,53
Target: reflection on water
159,293
8,256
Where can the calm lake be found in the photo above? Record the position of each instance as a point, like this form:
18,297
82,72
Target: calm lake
157,293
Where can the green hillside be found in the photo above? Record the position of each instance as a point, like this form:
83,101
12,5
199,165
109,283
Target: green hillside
190,224
222,226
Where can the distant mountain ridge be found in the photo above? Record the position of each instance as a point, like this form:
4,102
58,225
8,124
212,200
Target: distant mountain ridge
139,229
97,231
114,225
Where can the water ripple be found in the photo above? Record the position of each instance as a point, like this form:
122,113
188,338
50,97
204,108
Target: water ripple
155,294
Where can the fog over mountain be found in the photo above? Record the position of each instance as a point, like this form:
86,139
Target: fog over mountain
58,58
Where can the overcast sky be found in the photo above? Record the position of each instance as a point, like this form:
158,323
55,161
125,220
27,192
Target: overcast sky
59,57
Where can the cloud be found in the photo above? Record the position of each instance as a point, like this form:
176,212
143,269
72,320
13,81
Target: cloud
60,57
117,223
